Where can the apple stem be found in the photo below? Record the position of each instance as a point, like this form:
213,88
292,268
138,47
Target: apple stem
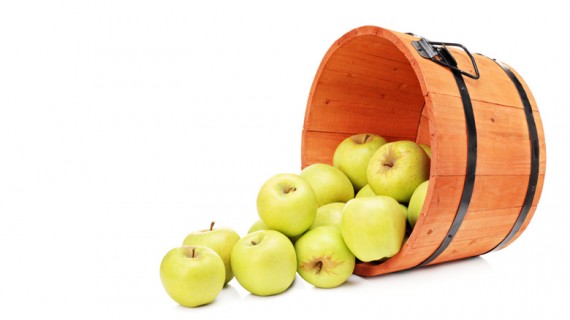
365,138
253,242
212,225
190,251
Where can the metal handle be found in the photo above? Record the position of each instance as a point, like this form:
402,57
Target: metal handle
438,53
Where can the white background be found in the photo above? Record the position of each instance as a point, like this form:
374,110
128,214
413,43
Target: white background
125,125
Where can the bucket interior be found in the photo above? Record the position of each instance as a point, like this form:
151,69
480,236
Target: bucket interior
365,86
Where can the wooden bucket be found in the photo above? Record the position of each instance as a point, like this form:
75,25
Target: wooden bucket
486,137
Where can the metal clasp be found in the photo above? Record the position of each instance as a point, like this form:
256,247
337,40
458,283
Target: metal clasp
438,53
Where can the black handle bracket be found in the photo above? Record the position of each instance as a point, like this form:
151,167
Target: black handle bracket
438,53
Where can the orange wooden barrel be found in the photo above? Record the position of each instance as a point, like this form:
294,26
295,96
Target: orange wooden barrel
486,137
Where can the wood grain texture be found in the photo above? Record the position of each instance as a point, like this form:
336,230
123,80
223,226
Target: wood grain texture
372,80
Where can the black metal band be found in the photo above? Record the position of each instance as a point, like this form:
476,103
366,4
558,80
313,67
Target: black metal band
534,157
470,171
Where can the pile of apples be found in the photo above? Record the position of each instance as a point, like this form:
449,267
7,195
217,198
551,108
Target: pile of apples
317,223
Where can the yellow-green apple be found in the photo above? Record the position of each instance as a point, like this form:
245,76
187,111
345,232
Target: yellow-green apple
323,258
329,215
222,240
366,191
397,168
373,227
256,226
192,275
329,183
351,156
287,203
264,262
417,202
427,149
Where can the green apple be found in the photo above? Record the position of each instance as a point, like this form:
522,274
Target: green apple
256,226
427,149
192,275
264,262
417,202
373,228
397,168
366,191
287,203
329,215
323,258
329,183
222,240
351,156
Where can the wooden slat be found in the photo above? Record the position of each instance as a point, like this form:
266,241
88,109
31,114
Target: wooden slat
372,84
502,134
489,161
481,232
491,224
356,89
349,117
502,191
490,70
492,87
374,67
